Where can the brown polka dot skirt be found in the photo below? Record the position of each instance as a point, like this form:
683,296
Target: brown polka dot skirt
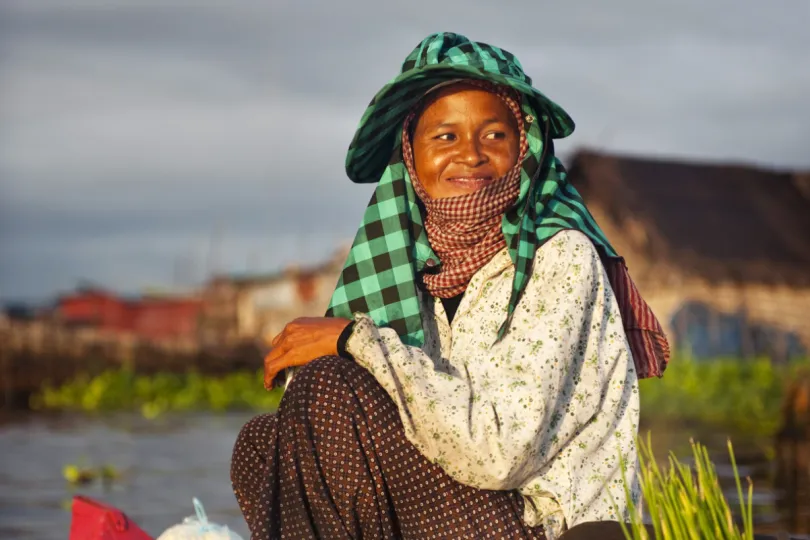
334,463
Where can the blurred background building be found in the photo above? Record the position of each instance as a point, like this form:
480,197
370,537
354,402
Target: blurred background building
721,253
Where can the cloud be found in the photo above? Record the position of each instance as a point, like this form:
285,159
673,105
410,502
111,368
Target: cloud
130,131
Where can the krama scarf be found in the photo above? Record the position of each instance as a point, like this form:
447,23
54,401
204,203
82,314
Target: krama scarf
391,251
465,231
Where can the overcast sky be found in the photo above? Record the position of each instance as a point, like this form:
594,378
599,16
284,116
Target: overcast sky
149,142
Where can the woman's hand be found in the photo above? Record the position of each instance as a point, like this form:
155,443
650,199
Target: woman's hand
302,341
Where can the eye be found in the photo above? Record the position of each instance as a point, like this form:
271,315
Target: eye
496,135
446,137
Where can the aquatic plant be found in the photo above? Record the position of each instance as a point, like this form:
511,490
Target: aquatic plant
686,502
80,474
77,475
739,394
153,395
744,395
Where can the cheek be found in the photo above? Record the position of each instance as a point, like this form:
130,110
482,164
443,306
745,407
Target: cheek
428,165
507,158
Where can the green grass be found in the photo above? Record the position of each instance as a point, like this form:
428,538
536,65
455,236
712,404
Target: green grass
742,395
686,502
156,394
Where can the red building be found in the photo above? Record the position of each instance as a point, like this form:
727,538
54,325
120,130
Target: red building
94,308
165,318
149,318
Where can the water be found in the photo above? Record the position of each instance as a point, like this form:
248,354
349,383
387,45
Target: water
166,462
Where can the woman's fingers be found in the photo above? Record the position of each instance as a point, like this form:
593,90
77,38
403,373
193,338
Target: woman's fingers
290,330
279,337
278,358
288,353
274,362
269,375
302,341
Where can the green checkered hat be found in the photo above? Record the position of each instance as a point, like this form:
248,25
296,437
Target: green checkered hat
391,248
437,58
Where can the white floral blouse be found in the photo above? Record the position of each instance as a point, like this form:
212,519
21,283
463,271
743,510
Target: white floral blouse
549,411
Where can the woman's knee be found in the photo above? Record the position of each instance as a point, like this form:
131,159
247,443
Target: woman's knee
255,437
251,451
321,388
320,374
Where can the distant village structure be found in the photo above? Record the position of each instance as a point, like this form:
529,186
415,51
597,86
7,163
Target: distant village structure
244,308
226,311
215,329
151,318
721,253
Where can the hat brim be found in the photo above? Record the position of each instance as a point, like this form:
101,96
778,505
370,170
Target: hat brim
370,150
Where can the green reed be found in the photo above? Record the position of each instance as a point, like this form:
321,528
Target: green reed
686,502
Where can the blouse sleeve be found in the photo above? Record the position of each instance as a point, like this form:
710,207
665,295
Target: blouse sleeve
559,386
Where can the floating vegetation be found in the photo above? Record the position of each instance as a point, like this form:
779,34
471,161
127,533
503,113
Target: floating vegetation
153,395
79,475
686,502
745,395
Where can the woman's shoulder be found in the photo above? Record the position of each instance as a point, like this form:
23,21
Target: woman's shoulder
568,246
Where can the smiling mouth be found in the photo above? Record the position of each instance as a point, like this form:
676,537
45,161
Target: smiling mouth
471,181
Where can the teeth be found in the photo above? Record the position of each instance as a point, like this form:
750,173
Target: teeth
470,179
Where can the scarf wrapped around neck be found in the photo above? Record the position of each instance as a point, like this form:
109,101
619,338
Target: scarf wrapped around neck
465,231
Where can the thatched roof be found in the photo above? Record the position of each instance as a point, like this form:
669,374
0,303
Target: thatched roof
721,222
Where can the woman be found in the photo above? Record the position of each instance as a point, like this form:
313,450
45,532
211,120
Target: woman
476,374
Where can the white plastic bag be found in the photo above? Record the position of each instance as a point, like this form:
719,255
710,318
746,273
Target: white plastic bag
198,528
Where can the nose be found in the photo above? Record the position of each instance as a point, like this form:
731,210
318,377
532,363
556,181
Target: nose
470,153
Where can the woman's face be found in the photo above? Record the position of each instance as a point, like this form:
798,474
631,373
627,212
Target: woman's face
465,139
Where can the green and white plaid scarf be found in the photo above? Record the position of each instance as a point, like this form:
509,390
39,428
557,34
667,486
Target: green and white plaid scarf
391,248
